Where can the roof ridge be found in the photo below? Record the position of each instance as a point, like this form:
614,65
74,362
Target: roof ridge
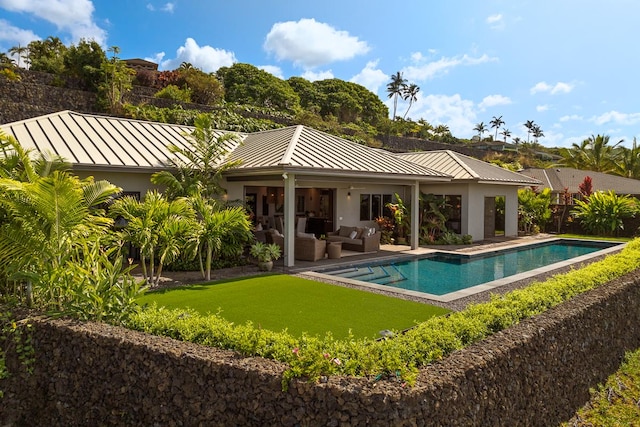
286,157
462,164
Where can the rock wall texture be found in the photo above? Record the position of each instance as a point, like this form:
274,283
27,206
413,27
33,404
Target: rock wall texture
535,373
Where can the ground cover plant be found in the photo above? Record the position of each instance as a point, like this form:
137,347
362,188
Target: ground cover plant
301,306
402,355
617,402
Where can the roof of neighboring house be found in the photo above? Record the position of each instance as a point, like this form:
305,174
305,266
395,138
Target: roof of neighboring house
303,149
467,168
557,179
93,142
96,142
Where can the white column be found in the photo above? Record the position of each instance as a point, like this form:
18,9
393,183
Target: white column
289,218
415,217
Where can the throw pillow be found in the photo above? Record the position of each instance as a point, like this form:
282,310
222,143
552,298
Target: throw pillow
360,232
353,234
345,231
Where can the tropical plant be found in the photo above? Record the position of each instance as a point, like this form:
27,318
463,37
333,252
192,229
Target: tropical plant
21,52
116,82
160,228
410,92
174,93
533,209
220,231
395,88
627,162
84,61
47,55
199,165
480,128
604,212
594,153
506,133
495,123
586,186
537,133
265,252
529,124
432,218
400,214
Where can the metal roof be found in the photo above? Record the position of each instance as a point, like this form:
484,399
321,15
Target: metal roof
465,168
92,141
557,179
304,149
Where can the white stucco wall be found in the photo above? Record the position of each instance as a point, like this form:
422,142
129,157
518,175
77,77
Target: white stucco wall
140,182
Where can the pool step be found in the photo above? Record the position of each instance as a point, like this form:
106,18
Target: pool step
393,276
381,275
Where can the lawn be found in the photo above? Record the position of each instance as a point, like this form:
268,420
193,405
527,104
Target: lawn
279,302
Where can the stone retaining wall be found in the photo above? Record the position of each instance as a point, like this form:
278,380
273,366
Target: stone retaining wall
535,373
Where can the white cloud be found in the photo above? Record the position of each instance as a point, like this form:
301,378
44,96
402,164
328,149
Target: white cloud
571,117
541,108
168,7
560,87
207,58
150,7
15,36
371,77
493,101
72,16
617,118
496,22
430,70
310,44
272,69
457,113
313,76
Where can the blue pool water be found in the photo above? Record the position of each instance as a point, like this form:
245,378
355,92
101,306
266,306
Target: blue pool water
443,273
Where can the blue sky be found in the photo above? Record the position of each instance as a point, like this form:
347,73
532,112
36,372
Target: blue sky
571,66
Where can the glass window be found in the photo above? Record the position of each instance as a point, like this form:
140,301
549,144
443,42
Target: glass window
376,206
365,207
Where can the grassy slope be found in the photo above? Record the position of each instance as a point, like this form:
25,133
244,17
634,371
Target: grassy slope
279,302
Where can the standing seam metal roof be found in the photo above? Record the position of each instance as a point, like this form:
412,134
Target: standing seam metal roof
463,167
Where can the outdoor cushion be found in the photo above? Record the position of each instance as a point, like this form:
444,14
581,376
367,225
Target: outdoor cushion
345,231
353,234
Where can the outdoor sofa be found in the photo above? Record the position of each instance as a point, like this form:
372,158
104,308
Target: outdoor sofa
360,239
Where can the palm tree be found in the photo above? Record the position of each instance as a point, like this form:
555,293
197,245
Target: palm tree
594,153
529,124
506,133
20,51
496,122
220,231
395,88
628,161
480,128
5,60
158,227
198,166
410,92
537,133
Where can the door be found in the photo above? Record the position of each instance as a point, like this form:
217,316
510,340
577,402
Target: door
489,217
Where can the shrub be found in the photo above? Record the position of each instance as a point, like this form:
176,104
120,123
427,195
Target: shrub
174,93
602,213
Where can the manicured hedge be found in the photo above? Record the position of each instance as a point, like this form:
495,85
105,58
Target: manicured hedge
401,356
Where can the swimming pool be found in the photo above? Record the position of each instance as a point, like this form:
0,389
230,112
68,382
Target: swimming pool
447,276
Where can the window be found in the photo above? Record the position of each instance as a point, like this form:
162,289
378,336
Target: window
373,206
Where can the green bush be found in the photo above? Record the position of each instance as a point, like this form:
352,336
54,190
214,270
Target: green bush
400,356
603,213
174,93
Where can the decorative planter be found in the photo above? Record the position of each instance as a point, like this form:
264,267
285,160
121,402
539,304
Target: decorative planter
265,265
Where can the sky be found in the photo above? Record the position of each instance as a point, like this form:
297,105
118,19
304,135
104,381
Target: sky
571,66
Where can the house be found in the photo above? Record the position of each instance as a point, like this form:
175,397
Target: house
141,64
285,173
473,191
560,179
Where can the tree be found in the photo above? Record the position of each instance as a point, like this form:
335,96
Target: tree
410,92
627,161
158,227
480,128
199,165
495,123
6,61
586,187
116,82
506,133
84,61
205,88
247,84
537,133
47,55
533,209
21,52
220,231
395,88
594,153
529,124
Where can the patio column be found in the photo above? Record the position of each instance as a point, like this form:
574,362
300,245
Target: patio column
289,218
415,218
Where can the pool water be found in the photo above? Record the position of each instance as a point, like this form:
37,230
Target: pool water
443,273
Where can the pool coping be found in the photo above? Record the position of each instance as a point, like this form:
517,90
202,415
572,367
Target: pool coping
473,290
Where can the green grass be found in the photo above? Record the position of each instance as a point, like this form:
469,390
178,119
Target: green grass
279,302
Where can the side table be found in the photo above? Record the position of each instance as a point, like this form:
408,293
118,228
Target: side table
334,250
